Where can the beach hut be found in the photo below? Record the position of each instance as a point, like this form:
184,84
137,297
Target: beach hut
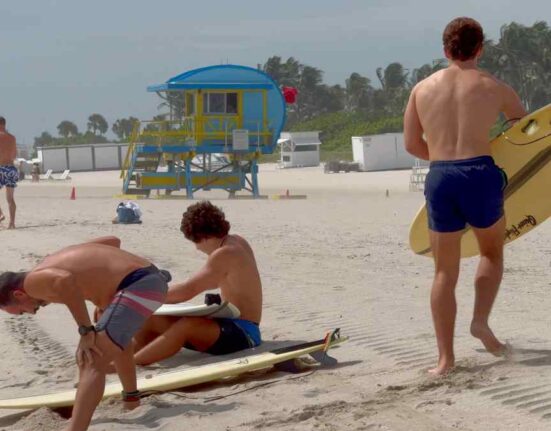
224,112
381,152
299,149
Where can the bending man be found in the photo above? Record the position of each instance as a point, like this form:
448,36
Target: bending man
455,109
127,287
230,266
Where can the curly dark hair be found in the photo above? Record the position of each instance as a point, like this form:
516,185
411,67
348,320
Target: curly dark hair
203,220
462,38
9,282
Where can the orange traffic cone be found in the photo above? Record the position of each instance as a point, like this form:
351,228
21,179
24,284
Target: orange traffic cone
73,194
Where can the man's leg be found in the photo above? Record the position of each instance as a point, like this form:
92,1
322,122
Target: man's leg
11,205
446,251
152,328
2,216
126,369
92,383
487,281
200,332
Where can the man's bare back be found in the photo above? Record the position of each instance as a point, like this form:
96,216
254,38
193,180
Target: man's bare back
8,148
457,107
96,269
241,285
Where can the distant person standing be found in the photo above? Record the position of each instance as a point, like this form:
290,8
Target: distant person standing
8,171
448,121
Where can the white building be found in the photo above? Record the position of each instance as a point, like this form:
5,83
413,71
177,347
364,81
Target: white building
299,149
381,152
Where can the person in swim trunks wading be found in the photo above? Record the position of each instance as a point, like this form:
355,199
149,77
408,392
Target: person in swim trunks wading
231,266
454,110
129,289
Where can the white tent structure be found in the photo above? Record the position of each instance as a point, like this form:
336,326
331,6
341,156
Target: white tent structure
299,149
381,152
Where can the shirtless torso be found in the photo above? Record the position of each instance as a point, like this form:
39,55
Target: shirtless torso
455,108
241,283
8,148
95,269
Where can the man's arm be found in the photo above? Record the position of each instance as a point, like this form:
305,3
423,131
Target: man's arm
512,105
13,148
113,241
208,277
413,131
58,286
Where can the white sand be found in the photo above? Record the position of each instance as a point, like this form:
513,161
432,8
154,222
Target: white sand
338,259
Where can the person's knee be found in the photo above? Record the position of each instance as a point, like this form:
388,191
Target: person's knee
493,254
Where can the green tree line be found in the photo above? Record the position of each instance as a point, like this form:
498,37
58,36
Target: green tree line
96,128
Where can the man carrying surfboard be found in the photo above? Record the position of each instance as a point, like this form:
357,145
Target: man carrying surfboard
127,287
448,121
230,266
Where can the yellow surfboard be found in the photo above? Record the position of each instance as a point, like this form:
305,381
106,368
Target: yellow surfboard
524,152
187,377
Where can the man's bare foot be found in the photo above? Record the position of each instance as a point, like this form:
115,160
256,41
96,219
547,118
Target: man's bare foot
483,332
11,226
131,405
444,368
441,371
2,217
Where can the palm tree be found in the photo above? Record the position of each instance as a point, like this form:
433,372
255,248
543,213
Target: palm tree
358,89
67,128
123,127
97,122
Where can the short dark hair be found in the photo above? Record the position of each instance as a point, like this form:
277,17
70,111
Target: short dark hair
9,282
462,38
203,220
2,121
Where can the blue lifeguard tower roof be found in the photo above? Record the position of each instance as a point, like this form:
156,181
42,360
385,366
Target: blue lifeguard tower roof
227,76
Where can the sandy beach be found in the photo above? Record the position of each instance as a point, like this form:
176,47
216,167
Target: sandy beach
337,259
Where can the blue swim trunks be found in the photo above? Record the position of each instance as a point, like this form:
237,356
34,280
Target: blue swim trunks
8,176
461,192
235,335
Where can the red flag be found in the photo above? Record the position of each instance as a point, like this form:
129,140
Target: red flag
290,94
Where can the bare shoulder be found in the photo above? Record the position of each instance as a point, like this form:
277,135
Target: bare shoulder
7,138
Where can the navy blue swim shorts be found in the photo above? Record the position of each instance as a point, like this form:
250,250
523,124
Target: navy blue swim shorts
461,192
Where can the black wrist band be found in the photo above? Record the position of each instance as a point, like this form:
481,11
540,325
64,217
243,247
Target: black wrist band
130,396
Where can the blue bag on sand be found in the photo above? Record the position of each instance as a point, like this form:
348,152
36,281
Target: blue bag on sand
127,215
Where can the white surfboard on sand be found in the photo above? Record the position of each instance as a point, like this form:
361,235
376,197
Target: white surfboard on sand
224,310
187,377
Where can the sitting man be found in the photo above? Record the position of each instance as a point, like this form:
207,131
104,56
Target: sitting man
230,266
127,287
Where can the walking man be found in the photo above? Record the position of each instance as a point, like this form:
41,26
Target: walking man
448,121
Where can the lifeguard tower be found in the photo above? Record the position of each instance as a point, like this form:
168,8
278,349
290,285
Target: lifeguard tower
230,116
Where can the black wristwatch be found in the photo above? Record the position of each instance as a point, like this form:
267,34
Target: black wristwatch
85,330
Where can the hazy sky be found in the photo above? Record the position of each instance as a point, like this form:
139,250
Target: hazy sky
65,59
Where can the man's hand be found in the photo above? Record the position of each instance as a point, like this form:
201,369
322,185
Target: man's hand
86,349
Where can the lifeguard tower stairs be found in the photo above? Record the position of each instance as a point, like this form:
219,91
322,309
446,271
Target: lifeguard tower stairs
231,115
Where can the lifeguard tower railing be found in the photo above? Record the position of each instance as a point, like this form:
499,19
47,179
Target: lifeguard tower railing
214,152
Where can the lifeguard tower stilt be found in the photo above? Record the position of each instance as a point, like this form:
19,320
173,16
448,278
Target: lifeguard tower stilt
233,115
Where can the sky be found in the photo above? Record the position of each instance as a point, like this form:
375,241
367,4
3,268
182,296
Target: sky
66,59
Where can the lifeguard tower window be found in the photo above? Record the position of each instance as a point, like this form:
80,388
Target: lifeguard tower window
220,103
